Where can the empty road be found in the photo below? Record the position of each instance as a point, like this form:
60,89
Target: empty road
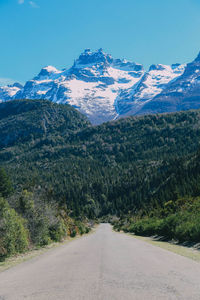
103,266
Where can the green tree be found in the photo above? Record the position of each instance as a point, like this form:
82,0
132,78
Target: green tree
13,234
5,184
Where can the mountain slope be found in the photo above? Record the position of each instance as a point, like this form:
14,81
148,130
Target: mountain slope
112,168
9,92
154,82
24,120
181,94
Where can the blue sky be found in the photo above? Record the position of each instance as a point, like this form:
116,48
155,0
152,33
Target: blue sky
37,33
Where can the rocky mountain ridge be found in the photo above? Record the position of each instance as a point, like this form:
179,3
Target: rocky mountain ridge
104,88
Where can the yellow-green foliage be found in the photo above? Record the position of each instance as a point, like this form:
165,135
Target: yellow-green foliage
13,234
58,230
82,227
42,221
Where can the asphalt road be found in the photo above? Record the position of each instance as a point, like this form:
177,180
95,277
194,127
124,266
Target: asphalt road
103,266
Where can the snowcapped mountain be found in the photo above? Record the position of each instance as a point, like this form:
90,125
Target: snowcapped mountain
152,83
91,85
104,88
181,94
8,92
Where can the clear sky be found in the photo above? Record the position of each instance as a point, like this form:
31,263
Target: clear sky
37,33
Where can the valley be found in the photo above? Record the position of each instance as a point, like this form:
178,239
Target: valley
143,171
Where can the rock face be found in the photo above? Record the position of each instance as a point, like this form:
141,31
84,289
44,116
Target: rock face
154,82
91,85
181,94
9,92
104,88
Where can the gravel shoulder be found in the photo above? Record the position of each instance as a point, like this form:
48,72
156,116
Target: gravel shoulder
189,252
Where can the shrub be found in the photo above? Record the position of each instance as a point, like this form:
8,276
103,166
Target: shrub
40,231
57,231
167,226
145,226
13,234
73,232
87,229
188,230
81,227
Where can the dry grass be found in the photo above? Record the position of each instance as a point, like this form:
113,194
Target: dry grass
189,252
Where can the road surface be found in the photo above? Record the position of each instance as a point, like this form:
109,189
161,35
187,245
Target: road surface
104,265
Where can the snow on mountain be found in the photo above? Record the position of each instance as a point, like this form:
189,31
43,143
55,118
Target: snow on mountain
104,88
180,94
151,84
91,85
9,91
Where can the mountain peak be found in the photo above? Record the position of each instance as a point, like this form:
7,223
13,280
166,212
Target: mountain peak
47,71
16,85
89,57
157,67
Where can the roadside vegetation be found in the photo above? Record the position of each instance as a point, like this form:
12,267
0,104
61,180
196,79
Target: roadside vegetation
178,220
28,220
176,216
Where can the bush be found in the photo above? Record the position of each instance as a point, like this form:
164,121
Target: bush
73,232
188,230
145,226
81,228
182,226
13,234
87,229
42,222
167,226
57,231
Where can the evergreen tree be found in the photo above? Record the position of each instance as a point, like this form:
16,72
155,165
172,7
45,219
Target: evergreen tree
5,184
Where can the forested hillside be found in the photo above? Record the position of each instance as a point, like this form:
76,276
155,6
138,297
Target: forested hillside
22,121
115,168
29,216
173,211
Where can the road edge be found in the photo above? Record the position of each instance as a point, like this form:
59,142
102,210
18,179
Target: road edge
23,257
188,252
